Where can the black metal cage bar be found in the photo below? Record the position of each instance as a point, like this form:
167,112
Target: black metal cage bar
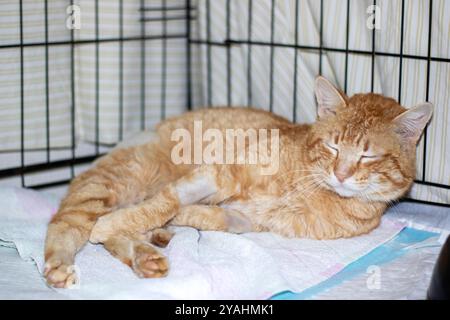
165,13
22,169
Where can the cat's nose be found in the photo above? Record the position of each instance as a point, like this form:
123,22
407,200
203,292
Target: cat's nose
342,175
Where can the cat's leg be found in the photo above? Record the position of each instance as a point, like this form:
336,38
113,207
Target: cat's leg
145,260
216,183
212,218
123,177
88,198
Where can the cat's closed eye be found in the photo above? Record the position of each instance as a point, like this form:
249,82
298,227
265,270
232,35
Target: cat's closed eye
332,147
369,157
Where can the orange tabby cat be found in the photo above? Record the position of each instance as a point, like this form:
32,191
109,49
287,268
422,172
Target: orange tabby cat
334,179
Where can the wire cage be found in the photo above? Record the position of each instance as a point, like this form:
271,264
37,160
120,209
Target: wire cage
186,27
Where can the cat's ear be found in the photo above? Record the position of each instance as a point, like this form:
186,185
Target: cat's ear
410,124
328,97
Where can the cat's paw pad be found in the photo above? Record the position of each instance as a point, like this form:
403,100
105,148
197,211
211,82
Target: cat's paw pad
149,263
59,274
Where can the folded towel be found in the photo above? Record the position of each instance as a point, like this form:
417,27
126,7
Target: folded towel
203,265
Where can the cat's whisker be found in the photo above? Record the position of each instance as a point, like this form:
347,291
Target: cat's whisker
286,201
287,198
318,186
297,171
310,179
302,183
312,185
299,182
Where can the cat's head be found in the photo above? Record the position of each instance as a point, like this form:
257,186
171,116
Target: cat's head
365,145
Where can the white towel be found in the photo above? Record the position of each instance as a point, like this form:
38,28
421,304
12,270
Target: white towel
203,265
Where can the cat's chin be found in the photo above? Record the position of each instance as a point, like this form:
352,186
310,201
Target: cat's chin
344,192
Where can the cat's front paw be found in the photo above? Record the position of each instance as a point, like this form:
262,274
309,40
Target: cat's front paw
148,262
59,274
